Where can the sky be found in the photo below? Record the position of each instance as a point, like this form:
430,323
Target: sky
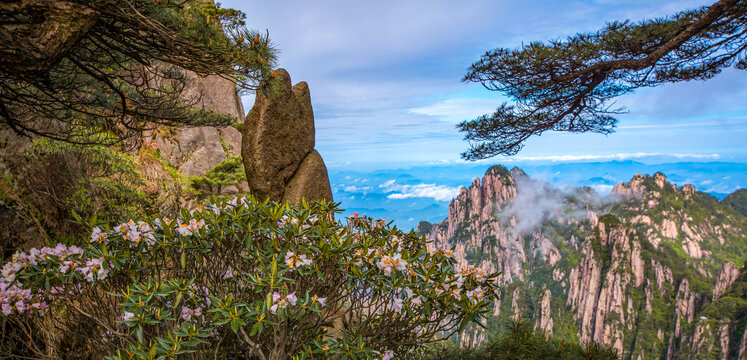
386,89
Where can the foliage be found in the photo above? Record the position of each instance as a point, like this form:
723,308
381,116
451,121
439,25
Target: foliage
570,85
521,342
107,184
81,68
229,172
737,200
238,279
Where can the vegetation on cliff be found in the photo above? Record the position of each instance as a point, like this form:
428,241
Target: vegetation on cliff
82,71
522,341
635,270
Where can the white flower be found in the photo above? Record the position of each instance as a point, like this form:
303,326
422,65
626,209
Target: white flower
183,230
128,316
397,305
417,301
476,294
389,263
320,300
97,235
294,261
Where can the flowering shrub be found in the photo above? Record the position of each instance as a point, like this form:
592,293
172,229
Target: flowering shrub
242,279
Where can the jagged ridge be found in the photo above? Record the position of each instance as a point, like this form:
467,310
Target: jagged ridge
636,269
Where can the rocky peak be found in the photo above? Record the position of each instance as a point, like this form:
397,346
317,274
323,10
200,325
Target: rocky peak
660,180
726,276
634,271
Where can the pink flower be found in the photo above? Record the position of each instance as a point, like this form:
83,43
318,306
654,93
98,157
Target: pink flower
97,235
388,355
292,298
187,313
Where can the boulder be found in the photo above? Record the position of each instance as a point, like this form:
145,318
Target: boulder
278,134
214,92
201,148
231,140
310,181
196,150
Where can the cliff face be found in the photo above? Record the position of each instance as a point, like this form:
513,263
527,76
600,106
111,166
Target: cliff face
647,269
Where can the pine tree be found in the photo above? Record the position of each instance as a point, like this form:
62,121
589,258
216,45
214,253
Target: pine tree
568,85
99,71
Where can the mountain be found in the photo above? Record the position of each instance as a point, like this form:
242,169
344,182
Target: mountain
647,269
737,200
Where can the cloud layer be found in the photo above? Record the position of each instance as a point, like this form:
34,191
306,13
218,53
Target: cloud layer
436,192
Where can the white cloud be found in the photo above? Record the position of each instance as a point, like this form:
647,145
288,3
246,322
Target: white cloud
458,110
602,188
572,158
353,188
437,192
622,156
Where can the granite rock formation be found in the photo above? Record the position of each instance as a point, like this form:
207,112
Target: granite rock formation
649,269
278,146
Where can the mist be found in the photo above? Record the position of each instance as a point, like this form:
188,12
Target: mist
537,202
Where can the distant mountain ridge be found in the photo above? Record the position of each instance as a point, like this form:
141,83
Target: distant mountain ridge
648,269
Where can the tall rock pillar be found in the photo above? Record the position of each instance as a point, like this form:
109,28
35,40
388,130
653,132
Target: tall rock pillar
278,146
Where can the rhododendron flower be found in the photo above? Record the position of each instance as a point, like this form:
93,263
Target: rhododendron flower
320,300
97,235
279,303
294,261
291,298
188,313
417,301
388,355
389,263
94,267
476,294
230,272
128,316
190,228
397,305
20,306
215,209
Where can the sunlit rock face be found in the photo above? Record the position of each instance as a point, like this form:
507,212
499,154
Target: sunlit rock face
278,146
646,269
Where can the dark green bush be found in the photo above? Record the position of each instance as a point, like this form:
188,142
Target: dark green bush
522,342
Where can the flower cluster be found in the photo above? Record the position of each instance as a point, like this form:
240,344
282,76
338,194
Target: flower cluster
293,260
188,313
191,227
251,268
281,302
13,295
389,263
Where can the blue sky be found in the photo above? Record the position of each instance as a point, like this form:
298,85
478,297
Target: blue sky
385,77
385,81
